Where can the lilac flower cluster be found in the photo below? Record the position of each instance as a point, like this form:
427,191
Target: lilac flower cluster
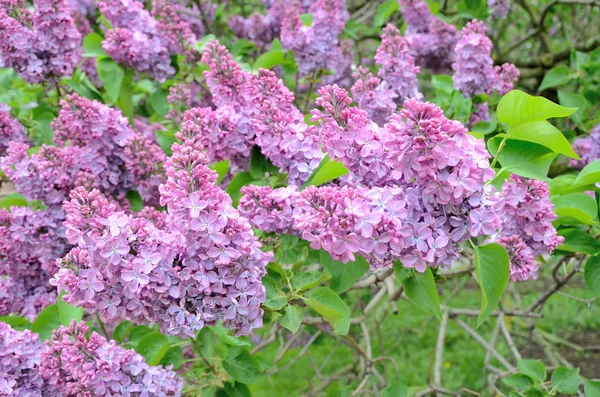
419,187
144,41
10,131
269,210
499,9
197,265
526,228
261,29
76,366
317,47
40,45
474,68
372,96
588,148
431,40
183,96
280,130
19,360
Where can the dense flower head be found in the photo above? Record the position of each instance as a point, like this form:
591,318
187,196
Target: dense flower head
262,29
20,353
372,96
74,365
280,130
270,210
398,68
197,265
527,212
474,68
25,297
588,148
434,48
224,77
41,44
417,14
183,96
10,131
317,47
82,7
522,262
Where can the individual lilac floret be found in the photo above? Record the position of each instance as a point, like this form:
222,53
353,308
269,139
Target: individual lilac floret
280,129
372,96
269,210
10,131
20,353
527,212
42,44
474,68
77,366
398,69
588,148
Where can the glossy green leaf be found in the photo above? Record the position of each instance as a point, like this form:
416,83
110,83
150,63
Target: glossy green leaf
292,318
122,330
523,158
112,76
269,59
307,19
200,44
235,389
135,200
67,312
573,100
165,139
492,269
420,288
518,381
329,305
577,240
532,368
16,323
591,274
557,76
518,107
153,346
137,333
92,46
274,300
174,357
384,12
343,275
13,200
238,181
223,333
47,321
260,165
591,388
590,174
575,208
443,82
159,102
395,389
566,380
305,280
242,366
327,171
222,169
545,134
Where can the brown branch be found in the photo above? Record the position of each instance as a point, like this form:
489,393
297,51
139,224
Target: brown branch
483,343
556,287
508,338
439,352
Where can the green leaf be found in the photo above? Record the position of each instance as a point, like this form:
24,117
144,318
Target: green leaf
13,200
153,346
68,313
242,366
343,275
269,59
292,318
137,333
518,381
259,164
111,76
125,101
17,323
420,288
122,330
555,77
223,333
485,127
545,134
577,240
235,390
589,175
165,139
572,100
174,357
443,82
492,269
47,321
92,46
566,380
329,305
591,388
238,181
534,393
200,44
327,171
532,368
592,274
135,200
523,158
461,107
307,19
575,208
222,169
384,12
395,389
305,280
159,103
518,107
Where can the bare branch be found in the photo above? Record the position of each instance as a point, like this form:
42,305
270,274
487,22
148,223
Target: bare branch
508,338
439,351
483,343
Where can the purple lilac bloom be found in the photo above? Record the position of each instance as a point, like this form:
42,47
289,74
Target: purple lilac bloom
42,44
588,148
10,131
74,365
372,96
499,9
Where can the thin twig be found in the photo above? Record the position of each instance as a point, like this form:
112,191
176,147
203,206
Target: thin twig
509,339
439,351
483,343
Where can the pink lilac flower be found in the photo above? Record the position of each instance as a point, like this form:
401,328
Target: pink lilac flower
74,365
522,262
372,96
417,14
588,148
42,44
474,68
261,29
197,265
269,210
183,96
10,131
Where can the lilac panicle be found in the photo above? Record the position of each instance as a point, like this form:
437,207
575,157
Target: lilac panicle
417,14
42,44
372,96
10,131
588,148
